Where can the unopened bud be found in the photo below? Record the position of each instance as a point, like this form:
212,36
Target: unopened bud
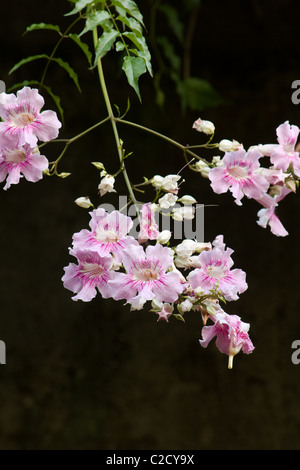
164,237
83,202
207,127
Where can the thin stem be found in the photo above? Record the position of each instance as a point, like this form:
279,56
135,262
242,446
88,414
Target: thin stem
113,123
70,141
184,148
55,49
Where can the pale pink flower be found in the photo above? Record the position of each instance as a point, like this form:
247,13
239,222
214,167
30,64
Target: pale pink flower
240,174
108,234
284,155
21,161
146,276
91,274
23,121
232,335
148,225
165,312
267,215
215,271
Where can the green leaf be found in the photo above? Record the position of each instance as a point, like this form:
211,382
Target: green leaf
26,60
132,24
58,60
134,67
55,98
143,51
95,20
83,46
120,46
80,5
65,65
130,7
36,26
174,21
105,43
198,94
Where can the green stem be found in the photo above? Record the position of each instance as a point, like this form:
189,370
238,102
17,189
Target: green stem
70,141
184,148
55,49
113,123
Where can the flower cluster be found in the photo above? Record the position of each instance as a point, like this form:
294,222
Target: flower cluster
22,126
191,276
242,173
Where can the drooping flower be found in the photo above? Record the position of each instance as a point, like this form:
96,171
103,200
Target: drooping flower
108,234
232,335
239,174
92,273
23,121
215,271
284,154
106,185
148,225
21,161
146,276
267,216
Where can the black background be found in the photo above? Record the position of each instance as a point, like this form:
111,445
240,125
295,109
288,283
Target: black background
97,376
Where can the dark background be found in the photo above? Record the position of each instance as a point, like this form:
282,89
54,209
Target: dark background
97,376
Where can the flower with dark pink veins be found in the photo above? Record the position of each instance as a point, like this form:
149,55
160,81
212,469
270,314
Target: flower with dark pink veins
108,234
148,225
267,216
23,121
146,276
232,335
215,271
239,172
92,273
21,161
284,155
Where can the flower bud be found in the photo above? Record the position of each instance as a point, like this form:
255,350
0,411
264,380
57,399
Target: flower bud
187,200
83,202
203,168
164,237
98,165
207,127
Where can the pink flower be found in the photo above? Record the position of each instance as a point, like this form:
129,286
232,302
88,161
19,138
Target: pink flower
215,271
232,335
22,161
267,215
146,276
165,312
108,234
239,172
148,226
284,154
92,271
23,122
